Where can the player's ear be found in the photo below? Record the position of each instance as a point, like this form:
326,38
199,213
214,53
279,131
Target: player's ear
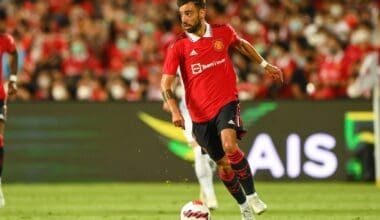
202,13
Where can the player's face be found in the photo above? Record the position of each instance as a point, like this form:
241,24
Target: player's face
191,17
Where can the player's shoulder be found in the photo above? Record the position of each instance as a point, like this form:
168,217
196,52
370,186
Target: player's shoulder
177,41
179,38
223,25
7,37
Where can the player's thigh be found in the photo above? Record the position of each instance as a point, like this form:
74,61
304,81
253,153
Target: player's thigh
207,137
229,141
229,118
226,122
226,118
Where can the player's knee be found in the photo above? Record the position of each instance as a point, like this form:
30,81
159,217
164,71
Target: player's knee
229,146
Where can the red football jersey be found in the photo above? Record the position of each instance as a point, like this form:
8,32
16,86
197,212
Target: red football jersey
206,69
7,44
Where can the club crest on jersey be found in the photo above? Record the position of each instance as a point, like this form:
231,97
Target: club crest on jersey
218,45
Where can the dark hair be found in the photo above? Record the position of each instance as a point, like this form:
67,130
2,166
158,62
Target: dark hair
198,3
3,14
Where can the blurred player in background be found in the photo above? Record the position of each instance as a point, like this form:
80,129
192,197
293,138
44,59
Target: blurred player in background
7,45
203,164
209,79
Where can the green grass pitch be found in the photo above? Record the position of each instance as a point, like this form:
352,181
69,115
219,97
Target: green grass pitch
145,201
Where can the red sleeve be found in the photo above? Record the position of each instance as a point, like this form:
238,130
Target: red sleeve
234,37
171,60
9,43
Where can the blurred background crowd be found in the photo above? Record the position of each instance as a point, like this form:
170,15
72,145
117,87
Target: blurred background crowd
100,50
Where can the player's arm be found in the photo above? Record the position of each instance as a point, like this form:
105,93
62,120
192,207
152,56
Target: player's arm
248,50
169,98
12,84
165,105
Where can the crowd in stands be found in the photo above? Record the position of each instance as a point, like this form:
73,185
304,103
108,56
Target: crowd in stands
101,50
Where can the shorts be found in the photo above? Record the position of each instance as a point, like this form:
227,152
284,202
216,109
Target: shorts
208,134
3,111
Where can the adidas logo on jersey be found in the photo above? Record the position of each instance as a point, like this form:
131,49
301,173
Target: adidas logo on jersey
231,122
193,53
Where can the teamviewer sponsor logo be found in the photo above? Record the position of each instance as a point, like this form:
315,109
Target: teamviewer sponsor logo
199,68
196,68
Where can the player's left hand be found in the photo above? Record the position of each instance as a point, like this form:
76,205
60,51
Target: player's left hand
274,72
12,88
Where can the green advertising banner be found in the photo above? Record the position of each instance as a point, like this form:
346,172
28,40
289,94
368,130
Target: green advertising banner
55,142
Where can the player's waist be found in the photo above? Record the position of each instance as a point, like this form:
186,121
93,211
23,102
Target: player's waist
200,114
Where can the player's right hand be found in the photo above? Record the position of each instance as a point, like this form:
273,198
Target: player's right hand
178,120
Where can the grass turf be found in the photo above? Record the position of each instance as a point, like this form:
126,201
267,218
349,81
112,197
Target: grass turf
144,201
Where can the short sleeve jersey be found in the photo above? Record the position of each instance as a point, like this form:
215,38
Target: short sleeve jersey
206,70
7,45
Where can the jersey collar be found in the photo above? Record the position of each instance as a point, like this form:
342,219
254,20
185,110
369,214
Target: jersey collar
195,38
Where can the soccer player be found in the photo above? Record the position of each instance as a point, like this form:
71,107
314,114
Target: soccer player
201,53
7,45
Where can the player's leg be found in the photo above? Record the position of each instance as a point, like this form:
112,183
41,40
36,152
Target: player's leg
207,135
205,176
238,162
231,181
228,123
241,167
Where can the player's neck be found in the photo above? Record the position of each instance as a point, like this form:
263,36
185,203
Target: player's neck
201,30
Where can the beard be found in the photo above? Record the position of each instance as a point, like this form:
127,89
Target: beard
193,28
